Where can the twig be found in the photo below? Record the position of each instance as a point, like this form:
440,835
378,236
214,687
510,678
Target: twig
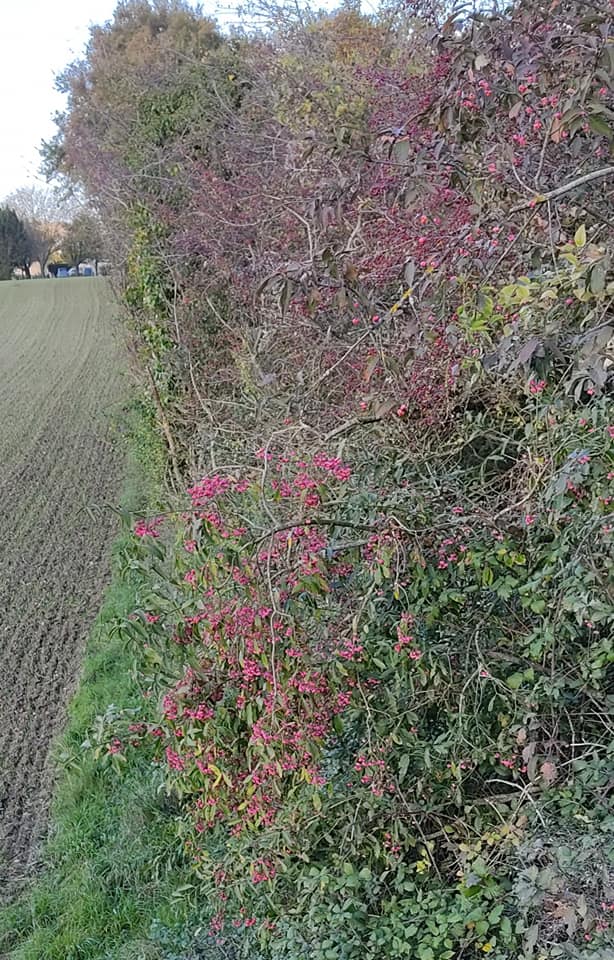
543,153
565,188
172,451
386,316
525,792
312,522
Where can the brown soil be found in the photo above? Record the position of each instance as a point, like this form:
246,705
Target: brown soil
60,375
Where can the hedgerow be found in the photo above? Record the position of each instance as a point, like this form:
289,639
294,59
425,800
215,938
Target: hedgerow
375,688
370,285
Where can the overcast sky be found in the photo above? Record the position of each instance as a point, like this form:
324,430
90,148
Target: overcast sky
37,39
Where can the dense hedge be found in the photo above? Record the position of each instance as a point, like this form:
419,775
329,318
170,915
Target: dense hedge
368,278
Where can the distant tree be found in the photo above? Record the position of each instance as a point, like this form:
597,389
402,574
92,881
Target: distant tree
83,240
15,249
43,213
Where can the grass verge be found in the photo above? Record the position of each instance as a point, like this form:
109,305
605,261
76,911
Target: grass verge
109,870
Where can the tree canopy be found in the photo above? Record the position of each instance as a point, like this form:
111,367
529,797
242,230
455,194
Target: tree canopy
43,213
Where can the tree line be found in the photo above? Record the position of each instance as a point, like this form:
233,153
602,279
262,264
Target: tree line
38,227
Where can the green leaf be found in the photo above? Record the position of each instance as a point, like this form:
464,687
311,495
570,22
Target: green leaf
599,126
505,928
425,953
495,913
401,150
403,765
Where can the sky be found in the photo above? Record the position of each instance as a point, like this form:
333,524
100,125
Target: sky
38,39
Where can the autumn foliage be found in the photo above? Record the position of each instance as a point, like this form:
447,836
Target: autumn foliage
366,263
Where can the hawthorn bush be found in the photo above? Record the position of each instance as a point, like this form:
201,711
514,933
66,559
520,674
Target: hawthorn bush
368,278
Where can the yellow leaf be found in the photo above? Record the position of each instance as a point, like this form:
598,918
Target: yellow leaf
580,236
217,774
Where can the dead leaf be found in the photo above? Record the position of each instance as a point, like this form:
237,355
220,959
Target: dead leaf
556,132
383,408
548,772
527,351
566,913
350,273
528,752
369,369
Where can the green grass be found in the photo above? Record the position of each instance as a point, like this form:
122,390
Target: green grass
108,867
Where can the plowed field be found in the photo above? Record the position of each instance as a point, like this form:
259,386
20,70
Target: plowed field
60,375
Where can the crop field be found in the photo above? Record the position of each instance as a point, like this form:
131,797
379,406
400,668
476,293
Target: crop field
60,377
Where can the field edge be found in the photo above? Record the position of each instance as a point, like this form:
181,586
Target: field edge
108,870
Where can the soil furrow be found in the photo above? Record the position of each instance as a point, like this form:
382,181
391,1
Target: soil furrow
60,372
